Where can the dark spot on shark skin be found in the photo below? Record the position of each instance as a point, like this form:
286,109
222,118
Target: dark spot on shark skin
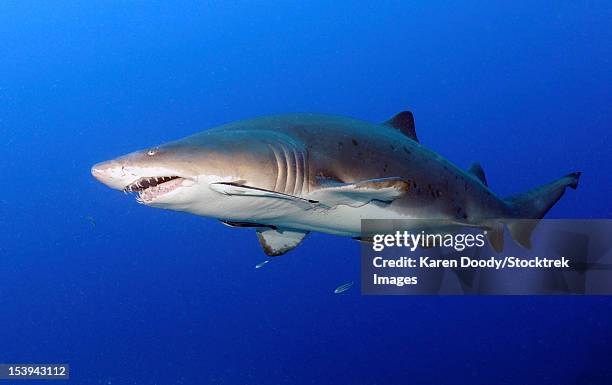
438,193
326,176
407,151
354,142
465,186
340,144
461,214
432,190
392,148
385,167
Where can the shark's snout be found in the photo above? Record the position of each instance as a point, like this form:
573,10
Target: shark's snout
98,170
110,173
151,180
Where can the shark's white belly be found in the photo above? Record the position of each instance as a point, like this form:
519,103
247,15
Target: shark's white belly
300,214
340,220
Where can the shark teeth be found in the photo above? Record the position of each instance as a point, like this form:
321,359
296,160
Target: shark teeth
150,188
145,183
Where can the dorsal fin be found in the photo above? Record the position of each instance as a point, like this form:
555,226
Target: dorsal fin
404,122
477,170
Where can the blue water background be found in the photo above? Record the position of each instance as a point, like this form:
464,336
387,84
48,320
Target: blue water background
156,297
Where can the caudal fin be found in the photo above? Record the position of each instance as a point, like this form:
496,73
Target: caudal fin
529,207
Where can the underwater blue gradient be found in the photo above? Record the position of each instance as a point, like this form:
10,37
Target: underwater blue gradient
156,297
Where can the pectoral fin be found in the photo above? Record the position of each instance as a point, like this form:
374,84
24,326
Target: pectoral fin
278,241
360,193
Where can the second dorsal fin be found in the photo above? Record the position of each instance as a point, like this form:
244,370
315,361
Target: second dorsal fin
476,170
403,122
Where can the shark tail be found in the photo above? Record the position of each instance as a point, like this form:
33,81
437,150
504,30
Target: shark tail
529,207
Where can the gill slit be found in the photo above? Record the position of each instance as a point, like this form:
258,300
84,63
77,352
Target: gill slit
281,174
297,189
292,171
290,163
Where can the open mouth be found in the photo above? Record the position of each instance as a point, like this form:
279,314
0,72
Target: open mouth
149,189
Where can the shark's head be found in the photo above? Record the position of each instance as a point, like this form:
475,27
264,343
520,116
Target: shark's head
180,175
165,176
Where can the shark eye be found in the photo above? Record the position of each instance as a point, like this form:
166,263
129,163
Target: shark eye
152,152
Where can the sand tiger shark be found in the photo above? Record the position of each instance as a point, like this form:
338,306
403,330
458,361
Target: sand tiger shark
288,175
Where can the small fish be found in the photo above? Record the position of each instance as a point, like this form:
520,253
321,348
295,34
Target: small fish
342,288
262,264
91,220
